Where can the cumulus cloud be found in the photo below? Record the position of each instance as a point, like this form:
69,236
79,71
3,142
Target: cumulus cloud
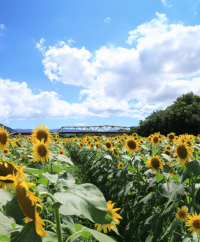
80,124
164,65
107,20
165,4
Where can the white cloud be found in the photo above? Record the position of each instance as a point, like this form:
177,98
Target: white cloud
165,4
195,13
150,73
80,124
40,46
2,27
107,20
70,41
117,81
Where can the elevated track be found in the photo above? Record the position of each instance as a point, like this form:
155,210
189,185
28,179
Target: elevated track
103,129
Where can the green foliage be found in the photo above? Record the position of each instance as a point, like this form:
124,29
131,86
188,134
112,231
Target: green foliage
181,117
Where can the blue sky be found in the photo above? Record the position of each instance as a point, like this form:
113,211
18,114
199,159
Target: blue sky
95,62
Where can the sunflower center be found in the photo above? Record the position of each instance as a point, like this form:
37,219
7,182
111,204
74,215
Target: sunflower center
182,214
18,144
167,152
171,136
42,151
7,170
25,202
5,151
108,145
41,134
61,152
131,144
182,151
3,138
116,152
155,139
155,163
196,224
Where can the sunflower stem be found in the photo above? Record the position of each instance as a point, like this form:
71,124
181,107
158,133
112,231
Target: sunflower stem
193,198
13,148
48,221
16,230
75,234
138,176
57,217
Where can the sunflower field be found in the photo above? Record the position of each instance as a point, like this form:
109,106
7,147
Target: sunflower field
134,188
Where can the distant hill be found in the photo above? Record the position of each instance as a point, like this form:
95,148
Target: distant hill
30,130
8,129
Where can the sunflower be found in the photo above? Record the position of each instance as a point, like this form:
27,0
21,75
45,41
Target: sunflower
8,173
41,151
168,147
120,165
116,153
18,144
41,133
19,135
114,215
155,163
167,152
182,213
183,152
4,141
119,143
97,145
132,145
108,145
155,140
6,151
110,178
194,222
171,137
61,152
63,143
81,145
57,142
27,202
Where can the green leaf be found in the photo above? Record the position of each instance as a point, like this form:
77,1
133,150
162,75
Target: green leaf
57,168
166,189
159,177
13,225
28,234
56,205
64,158
10,205
78,227
4,238
154,152
85,199
5,224
86,234
97,156
51,176
194,167
99,236
33,171
51,238
42,181
66,179
176,178
174,225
